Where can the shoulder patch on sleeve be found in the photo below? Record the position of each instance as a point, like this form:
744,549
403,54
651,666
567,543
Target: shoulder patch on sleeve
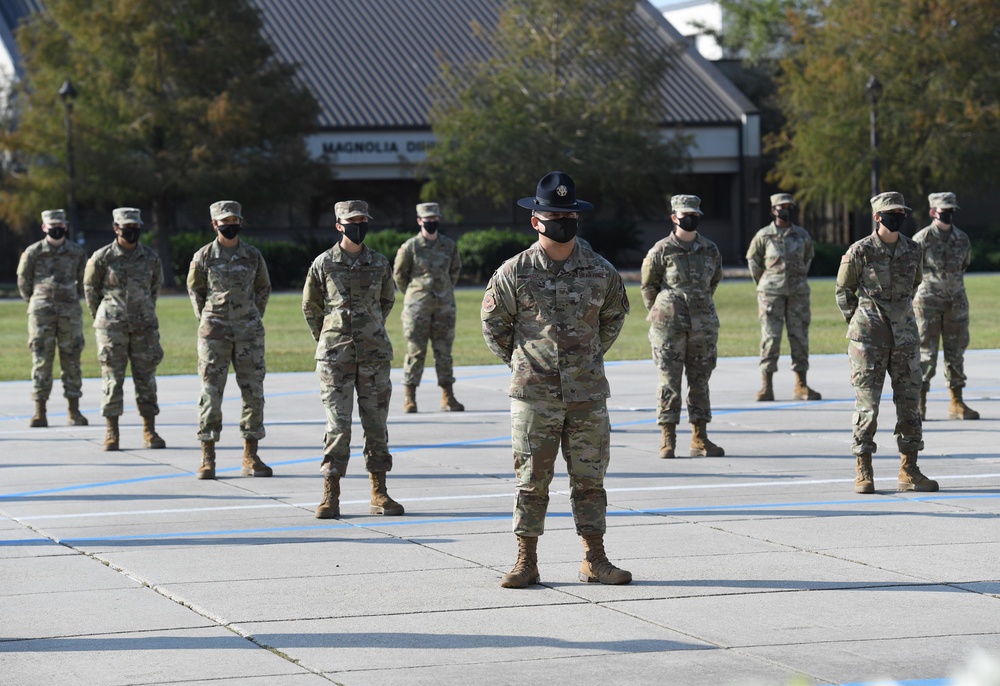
846,258
489,302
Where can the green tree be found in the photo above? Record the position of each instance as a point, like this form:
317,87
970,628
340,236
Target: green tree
570,85
179,102
938,117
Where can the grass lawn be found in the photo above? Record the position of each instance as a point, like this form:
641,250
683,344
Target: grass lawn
290,347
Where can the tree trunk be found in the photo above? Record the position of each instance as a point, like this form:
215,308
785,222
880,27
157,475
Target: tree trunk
164,218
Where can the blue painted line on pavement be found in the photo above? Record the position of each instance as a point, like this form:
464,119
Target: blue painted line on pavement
493,518
908,682
181,475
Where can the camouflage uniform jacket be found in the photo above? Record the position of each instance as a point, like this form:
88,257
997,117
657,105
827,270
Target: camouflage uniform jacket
122,287
875,289
428,270
50,278
779,259
553,329
678,281
946,257
346,303
229,294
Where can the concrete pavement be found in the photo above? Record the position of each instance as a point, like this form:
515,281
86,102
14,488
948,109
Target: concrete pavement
761,567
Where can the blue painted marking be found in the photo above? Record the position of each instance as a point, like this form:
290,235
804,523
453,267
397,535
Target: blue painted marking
910,682
506,517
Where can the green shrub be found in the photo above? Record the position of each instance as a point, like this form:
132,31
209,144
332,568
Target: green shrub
483,251
985,248
827,259
183,246
387,241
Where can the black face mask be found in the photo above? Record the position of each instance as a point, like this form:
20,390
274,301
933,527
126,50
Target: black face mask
944,216
356,232
431,227
56,232
230,231
785,214
688,222
561,230
131,235
893,221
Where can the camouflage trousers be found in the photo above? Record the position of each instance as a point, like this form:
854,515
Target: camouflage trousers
775,312
247,358
869,365
436,322
337,384
45,334
675,352
538,428
116,349
948,322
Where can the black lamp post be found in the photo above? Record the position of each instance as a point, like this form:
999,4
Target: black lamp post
874,89
68,95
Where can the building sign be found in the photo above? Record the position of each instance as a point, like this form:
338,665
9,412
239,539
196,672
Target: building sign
372,147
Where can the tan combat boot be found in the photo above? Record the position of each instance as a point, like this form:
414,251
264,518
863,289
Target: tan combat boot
40,419
330,507
864,482
75,418
382,504
958,409
910,477
596,567
525,571
252,464
766,391
410,398
668,441
150,438
207,468
923,403
802,390
700,445
112,437
448,401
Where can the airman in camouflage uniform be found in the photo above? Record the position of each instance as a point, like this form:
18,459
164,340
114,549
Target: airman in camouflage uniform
941,306
426,271
679,278
876,282
229,288
122,282
50,279
347,297
779,259
551,313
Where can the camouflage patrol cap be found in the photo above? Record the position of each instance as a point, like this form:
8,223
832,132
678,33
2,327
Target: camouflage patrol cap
685,203
349,209
782,199
126,215
428,209
225,208
890,200
943,201
54,216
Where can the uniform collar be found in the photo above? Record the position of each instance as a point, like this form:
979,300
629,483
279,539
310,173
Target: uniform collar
696,244
574,261
344,257
241,249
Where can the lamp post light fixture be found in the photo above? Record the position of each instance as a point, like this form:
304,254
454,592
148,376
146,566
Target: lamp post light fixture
874,89
68,94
